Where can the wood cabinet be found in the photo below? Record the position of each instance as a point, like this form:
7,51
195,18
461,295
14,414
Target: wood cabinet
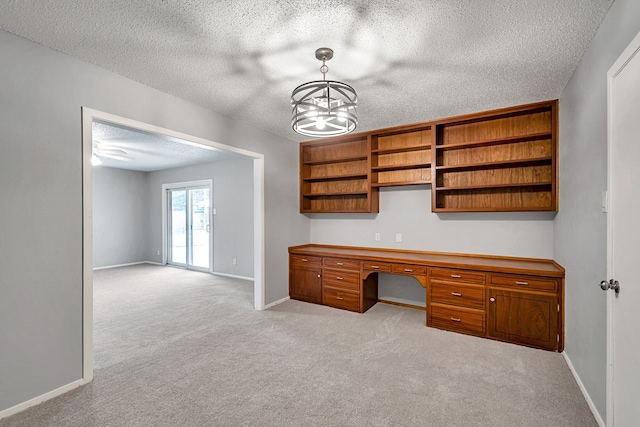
500,160
517,300
335,176
305,278
505,160
526,313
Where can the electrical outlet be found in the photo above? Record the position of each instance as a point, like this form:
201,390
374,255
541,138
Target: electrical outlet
158,253
377,237
214,211
235,261
398,237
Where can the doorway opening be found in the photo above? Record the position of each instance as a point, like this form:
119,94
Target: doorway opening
195,213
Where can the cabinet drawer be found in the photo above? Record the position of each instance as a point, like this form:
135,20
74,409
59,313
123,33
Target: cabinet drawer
341,298
341,278
525,282
376,266
457,294
341,263
458,275
409,269
307,260
455,319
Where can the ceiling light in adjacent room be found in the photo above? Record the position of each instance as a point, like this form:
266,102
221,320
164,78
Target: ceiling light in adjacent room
324,108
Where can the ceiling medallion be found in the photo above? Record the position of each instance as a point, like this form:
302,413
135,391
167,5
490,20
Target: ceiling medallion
324,108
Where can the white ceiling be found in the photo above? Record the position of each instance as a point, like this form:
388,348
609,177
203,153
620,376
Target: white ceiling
409,60
142,151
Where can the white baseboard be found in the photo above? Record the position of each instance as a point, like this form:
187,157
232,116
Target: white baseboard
118,265
233,276
128,264
42,398
584,391
281,300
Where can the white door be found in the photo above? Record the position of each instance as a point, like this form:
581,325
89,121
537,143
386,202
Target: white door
623,252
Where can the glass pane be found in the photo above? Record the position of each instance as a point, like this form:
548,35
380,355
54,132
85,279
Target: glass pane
178,226
200,227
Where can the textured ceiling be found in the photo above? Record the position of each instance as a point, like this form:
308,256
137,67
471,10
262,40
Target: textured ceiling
142,151
409,60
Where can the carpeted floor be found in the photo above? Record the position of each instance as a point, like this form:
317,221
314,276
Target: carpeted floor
181,348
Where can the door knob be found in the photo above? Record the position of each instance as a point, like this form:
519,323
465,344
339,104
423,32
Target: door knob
611,284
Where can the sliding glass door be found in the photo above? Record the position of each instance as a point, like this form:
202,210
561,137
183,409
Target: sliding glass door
189,227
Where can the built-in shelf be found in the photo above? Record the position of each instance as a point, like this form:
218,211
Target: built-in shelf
336,193
492,186
344,174
336,177
335,160
498,141
397,184
524,137
401,149
401,167
497,165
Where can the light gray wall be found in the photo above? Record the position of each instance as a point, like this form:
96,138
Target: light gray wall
407,210
120,216
41,94
233,221
580,227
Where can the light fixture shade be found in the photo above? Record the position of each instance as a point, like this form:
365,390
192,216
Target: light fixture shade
325,107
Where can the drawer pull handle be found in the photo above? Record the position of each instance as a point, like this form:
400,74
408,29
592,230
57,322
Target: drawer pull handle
455,276
339,263
492,299
521,283
408,270
456,294
339,298
456,319
375,266
304,260
339,278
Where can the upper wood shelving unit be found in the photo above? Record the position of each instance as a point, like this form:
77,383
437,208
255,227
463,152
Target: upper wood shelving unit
502,160
494,161
335,176
401,156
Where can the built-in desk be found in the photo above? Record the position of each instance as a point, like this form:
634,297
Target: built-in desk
519,300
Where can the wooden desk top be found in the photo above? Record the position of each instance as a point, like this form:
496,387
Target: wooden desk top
530,266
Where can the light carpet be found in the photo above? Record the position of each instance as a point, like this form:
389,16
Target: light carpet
181,348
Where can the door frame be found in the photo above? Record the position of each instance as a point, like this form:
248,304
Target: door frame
627,55
165,222
88,116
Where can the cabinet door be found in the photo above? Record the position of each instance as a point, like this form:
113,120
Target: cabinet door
525,318
305,283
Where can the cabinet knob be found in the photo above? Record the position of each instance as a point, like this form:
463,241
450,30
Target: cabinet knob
492,299
318,275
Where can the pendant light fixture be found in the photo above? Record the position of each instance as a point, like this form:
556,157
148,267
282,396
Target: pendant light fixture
324,108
